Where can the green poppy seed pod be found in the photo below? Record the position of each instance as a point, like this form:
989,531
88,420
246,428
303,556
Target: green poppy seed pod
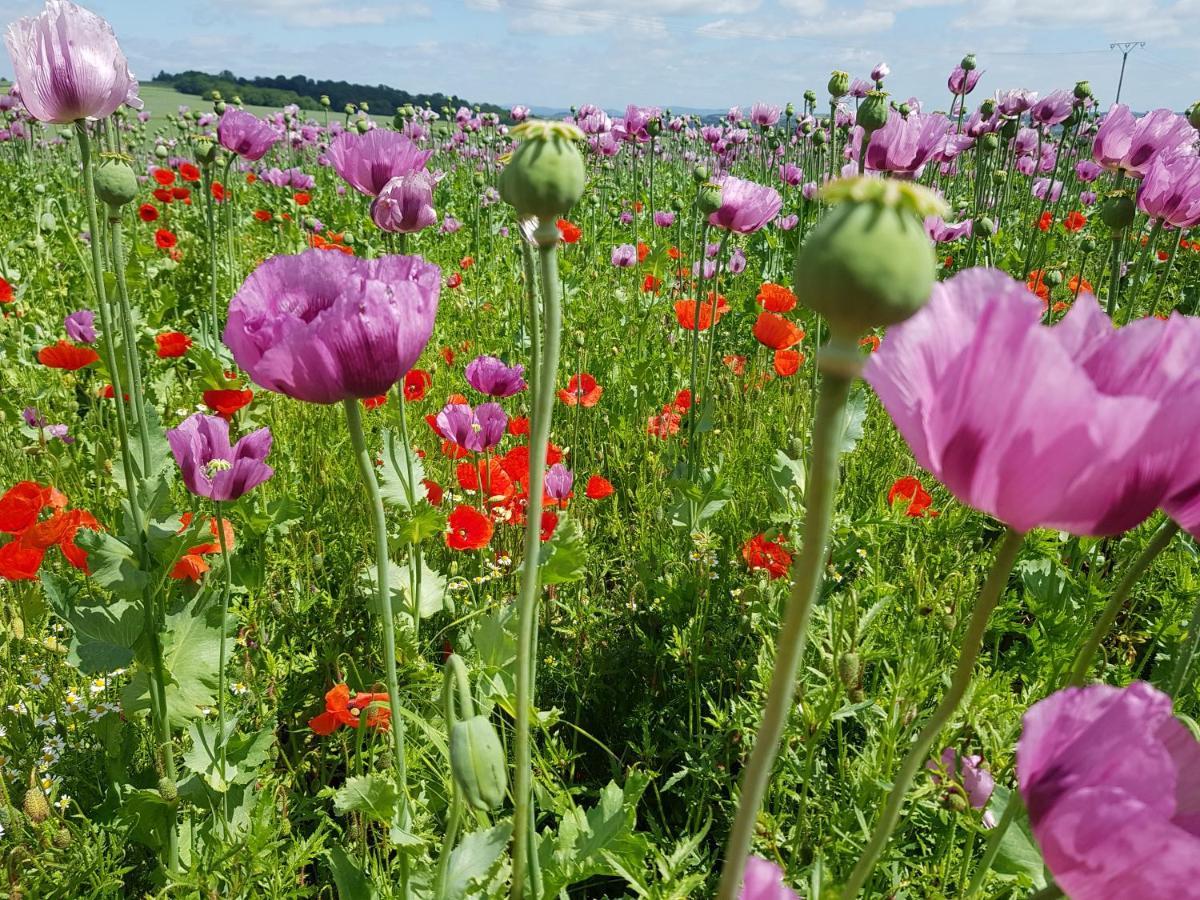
116,184
968,63
904,109
196,115
1088,245
700,174
1000,175
1194,115
348,238
773,141
949,621
789,110
810,96
545,176
364,107
807,126
983,228
325,101
708,201
839,84
47,222
654,127
1053,278
873,113
206,152
990,141
477,762
1083,90
219,107
362,126
349,109
820,138
168,790
478,180
1117,212
214,95
237,100
35,805
868,263
1009,129
677,204
61,839
987,108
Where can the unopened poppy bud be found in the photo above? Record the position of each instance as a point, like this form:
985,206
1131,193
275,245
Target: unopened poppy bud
904,109
873,113
810,96
700,174
477,762
168,790
654,127
61,839
1009,129
869,262
789,110
348,238
676,204
161,152
807,126
1053,278
968,63
47,222
206,152
478,179
983,228
1088,245
545,176
949,622
362,126
820,138
708,201
35,805
1117,212
1083,90
990,141
849,668
1194,115
839,84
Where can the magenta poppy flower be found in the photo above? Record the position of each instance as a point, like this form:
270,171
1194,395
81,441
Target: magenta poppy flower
967,773
961,82
323,327
941,232
1066,427
210,466
369,161
1013,103
624,256
1171,190
405,205
904,145
1053,109
1122,142
764,115
68,65
764,881
1112,783
478,429
81,326
245,134
559,481
492,376
745,206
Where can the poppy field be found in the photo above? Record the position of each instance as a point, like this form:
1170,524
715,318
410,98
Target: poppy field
794,503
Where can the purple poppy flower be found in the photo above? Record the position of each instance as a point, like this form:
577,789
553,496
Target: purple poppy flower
664,219
737,261
210,466
1045,189
1084,438
764,115
59,432
745,205
405,205
33,418
559,481
1087,198
903,146
369,161
245,134
1053,109
450,224
787,223
941,233
965,773
624,256
809,190
961,82
492,376
1125,143
791,174
477,430
81,326
519,113
764,881
880,72
1111,780
68,65
323,327
1087,171
1013,103
859,88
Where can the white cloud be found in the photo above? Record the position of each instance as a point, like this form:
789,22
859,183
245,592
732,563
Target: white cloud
323,14
802,25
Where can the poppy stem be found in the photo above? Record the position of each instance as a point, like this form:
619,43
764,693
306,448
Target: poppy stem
1015,806
129,339
841,363
384,596
524,854
972,641
225,590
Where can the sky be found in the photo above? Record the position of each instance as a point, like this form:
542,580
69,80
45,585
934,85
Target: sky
708,54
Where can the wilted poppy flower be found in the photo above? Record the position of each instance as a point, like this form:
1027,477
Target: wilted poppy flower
66,356
776,298
776,332
1074,436
171,344
68,65
323,327
225,402
492,376
369,161
909,488
245,134
582,389
210,466
81,326
763,880
416,383
762,554
1111,779
468,529
598,487
342,710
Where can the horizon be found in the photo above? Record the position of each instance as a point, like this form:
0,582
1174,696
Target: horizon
661,52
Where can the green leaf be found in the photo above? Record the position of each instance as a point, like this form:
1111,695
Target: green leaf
473,860
104,636
694,502
563,558
786,479
398,460
856,416
148,817
352,882
244,753
374,796
112,564
425,522
1018,855
431,590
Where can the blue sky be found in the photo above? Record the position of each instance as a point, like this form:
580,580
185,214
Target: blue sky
668,52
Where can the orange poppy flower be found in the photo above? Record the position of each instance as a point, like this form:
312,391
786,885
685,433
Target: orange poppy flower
776,298
468,529
227,401
776,332
787,362
172,344
67,356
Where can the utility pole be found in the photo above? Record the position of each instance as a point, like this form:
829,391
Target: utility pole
1126,47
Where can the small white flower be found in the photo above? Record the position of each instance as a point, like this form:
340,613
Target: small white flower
238,688
39,680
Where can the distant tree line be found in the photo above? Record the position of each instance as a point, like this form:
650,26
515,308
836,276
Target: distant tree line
280,90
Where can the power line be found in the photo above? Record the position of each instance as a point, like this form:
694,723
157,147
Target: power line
1126,47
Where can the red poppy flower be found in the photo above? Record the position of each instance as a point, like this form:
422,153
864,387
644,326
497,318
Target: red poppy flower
148,212
1076,285
108,393
189,172
674,253
343,710
643,250
374,402
650,284
776,298
776,332
416,383
763,555
172,344
455,280
686,313
181,193
1075,220
787,362
637,205
20,510
735,362
665,424
218,191
263,215
683,400
165,177
6,292
64,355
569,231
1045,221
251,178
598,487
582,389
870,342
433,491
227,401
487,477
549,523
164,239
192,564
23,503
163,195
302,198
518,425
909,488
468,529
1037,284
448,355
516,463
466,262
